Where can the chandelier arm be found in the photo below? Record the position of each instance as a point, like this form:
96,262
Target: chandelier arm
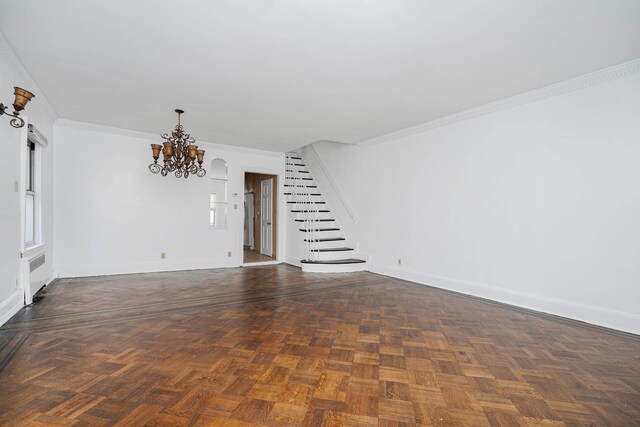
17,121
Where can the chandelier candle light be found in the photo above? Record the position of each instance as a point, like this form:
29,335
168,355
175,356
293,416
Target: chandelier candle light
22,96
179,154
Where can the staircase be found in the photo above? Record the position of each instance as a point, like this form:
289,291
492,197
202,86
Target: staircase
326,247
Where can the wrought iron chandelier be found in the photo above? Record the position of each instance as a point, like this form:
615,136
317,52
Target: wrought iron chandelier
180,154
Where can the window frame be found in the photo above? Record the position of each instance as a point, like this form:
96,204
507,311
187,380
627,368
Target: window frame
30,192
31,185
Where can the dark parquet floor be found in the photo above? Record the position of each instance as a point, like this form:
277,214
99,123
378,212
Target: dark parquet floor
273,346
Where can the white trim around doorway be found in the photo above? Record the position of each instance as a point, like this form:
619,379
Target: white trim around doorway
281,217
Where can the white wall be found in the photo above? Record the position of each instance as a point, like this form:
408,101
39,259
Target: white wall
114,216
12,143
536,205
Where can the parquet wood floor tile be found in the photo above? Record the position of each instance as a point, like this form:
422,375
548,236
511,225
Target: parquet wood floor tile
272,346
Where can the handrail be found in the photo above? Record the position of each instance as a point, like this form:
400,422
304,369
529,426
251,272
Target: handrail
334,184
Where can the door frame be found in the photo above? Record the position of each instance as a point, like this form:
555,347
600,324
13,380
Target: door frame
262,215
280,216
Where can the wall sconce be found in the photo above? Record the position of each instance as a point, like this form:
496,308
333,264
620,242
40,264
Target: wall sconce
22,97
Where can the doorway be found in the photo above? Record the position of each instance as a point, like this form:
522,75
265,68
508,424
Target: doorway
260,217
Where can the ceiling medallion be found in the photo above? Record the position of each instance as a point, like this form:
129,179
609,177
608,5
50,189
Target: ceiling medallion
179,154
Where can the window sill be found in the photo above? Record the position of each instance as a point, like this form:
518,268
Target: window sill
34,250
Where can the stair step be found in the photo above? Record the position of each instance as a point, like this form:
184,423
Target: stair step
295,158
319,229
319,210
323,220
307,203
301,186
336,261
326,239
303,194
305,179
291,170
332,250
295,164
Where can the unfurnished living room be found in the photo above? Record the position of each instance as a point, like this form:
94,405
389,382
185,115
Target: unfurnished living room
320,213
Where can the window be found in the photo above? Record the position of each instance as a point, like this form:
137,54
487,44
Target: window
32,187
31,205
218,195
217,211
213,209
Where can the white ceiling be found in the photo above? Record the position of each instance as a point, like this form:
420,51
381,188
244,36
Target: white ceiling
277,75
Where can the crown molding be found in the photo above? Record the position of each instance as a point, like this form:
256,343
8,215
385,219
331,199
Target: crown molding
582,82
155,138
10,60
94,127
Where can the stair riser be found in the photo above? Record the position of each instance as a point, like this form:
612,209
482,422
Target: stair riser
288,188
331,256
321,234
331,268
308,207
298,180
297,170
325,245
301,197
313,215
315,224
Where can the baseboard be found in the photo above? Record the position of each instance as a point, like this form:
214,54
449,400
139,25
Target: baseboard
11,306
622,321
68,271
293,261
259,263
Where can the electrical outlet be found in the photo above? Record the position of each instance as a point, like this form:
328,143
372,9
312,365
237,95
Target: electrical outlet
229,253
163,255
399,261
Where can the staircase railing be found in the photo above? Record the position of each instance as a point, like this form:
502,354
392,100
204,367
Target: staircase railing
303,198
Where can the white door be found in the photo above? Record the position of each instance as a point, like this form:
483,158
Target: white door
266,214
